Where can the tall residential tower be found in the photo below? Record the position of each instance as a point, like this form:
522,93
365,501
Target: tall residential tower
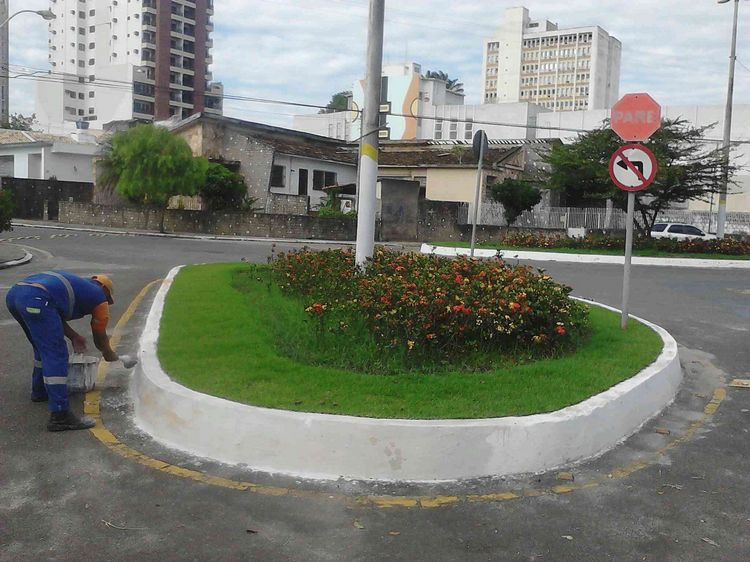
559,69
142,59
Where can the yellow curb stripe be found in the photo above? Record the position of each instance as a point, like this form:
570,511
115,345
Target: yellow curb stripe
92,406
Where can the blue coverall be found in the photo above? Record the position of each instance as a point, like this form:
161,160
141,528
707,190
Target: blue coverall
40,304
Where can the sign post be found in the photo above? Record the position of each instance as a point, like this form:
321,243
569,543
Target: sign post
480,146
633,167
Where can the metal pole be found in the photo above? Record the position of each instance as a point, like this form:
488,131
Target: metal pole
476,200
4,63
628,257
368,146
722,215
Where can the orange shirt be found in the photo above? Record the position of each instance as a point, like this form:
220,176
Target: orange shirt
100,318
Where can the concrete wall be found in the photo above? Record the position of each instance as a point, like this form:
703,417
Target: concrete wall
213,223
31,195
399,200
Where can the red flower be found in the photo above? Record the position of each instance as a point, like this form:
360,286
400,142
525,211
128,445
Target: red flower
514,306
560,330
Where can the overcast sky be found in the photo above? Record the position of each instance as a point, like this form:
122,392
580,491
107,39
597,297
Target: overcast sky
305,50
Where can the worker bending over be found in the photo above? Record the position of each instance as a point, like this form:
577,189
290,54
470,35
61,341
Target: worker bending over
43,304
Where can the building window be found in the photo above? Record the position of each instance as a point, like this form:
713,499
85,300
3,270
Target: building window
323,179
92,45
453,130
91,94
469,129
277,176
438,130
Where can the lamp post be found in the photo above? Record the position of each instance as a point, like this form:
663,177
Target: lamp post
722,214
4,63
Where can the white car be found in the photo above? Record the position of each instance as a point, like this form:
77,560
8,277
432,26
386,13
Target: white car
679,231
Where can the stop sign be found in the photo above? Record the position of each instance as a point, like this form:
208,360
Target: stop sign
636,117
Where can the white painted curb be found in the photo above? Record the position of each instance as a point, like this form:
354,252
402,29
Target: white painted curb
27,257
584,258
329,446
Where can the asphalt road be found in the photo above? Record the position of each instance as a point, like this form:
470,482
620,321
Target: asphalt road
67,496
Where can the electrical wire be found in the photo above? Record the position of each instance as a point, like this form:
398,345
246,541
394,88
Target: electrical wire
58,77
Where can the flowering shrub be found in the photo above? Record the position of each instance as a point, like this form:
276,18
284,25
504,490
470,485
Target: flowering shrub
428,305
725,246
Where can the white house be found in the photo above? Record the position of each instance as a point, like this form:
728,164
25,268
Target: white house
33,155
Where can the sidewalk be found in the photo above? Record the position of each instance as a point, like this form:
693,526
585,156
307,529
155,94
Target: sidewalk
11,254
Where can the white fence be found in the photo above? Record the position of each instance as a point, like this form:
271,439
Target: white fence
492,214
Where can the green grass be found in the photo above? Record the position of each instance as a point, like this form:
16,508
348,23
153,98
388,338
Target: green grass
644,253
222,341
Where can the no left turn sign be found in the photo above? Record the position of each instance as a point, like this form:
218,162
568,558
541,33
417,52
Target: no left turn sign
632,167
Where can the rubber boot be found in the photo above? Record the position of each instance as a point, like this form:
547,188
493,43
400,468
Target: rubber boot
67,420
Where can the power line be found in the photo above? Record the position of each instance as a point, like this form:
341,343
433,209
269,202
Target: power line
128,86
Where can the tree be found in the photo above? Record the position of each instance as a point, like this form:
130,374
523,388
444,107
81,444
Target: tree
516,196
7,207
339,102
451,84
223,188
21,123
151,165
688,169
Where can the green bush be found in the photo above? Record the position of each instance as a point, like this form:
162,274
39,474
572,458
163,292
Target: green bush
432,307
333,213
7,207
516,196
223,188
726,246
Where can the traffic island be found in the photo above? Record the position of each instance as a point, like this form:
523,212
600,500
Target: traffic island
376,442
12,255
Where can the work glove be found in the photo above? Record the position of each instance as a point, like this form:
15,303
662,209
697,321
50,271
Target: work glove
128,361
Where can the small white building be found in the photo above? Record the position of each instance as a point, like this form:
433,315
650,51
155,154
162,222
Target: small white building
33,155
408,96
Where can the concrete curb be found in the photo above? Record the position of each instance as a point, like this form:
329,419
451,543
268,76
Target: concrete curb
584,258
189,236
12,263
325,446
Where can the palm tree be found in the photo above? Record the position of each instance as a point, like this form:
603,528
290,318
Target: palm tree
451,84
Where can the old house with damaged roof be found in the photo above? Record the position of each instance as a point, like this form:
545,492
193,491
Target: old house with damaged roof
291,172
285,170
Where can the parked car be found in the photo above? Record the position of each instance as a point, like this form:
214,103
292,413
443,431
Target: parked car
679,231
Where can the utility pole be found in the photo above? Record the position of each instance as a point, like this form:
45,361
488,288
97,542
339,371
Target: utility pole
368,144
4,63
722,215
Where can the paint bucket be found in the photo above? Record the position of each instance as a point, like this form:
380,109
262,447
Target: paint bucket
82,373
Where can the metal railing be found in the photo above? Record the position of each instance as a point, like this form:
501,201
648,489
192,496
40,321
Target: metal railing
492,214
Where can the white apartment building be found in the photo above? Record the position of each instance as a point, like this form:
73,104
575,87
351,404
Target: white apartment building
118,60
560,69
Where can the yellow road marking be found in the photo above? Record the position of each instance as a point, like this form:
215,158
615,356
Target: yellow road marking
92,407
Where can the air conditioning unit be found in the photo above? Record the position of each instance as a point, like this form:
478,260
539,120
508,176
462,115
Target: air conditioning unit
347,206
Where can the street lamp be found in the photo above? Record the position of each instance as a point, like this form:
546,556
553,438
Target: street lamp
4,62
46,14
722,214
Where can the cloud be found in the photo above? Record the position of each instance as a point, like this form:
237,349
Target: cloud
305,50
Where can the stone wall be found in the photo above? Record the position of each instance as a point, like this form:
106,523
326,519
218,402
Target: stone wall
282,204
437,221
258,225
